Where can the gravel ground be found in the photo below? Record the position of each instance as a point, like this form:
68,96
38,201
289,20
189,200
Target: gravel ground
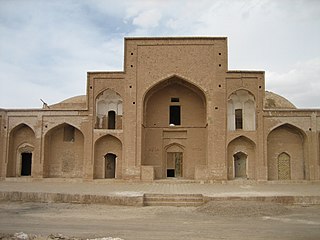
243,209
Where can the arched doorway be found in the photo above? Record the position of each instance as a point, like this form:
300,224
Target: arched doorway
26,163
241,158
107,157
110,165
21,146
284,172
240,165
175,164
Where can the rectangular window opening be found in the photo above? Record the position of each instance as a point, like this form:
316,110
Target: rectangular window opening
175,115
238,119
175,99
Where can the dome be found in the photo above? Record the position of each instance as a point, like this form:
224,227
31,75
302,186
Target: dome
73,103
275,101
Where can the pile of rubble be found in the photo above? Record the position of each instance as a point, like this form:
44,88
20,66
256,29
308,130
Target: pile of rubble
24,236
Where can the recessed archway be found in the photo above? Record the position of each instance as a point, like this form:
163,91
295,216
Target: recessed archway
179,93
241,111
174,108
21,140
64,148
284,166
107,157
241,158
109,110
290,140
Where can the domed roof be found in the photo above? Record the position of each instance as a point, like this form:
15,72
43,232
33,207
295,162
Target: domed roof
76,99
275,101
77,102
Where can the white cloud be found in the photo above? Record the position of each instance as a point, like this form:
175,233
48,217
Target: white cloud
147,19
50,45
300,85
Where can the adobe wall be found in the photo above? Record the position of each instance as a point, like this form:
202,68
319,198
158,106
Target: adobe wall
296,133
201,62
163,77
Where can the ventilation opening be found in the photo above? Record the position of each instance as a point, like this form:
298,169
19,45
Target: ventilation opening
175,115
238,119
111,120
68,133
175,100
26,164
110,165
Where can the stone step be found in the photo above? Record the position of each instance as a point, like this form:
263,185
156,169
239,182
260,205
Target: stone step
173,200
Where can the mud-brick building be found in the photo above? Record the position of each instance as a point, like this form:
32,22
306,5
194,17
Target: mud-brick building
176,111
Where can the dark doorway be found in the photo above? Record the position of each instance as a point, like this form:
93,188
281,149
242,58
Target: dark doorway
175,113
240,165
110,167
174,164
111,120
26,164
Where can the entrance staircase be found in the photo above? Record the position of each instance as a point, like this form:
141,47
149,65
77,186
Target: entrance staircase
178,200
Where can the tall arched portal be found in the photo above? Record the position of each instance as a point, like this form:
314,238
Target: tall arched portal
21,147
174,112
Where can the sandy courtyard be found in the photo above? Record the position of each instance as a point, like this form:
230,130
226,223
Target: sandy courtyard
215,220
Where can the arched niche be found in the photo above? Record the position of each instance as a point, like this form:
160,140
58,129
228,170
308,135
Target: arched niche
109,110
21,139
174,101
63,149
174,161
107,151
284,166
241,151
290,140
241,111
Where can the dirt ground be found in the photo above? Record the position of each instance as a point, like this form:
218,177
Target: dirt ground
214,220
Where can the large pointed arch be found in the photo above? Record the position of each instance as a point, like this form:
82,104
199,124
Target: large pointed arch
180,105
291,140
64,149
20,137
105,147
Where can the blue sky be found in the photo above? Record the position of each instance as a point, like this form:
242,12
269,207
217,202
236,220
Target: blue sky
46,47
